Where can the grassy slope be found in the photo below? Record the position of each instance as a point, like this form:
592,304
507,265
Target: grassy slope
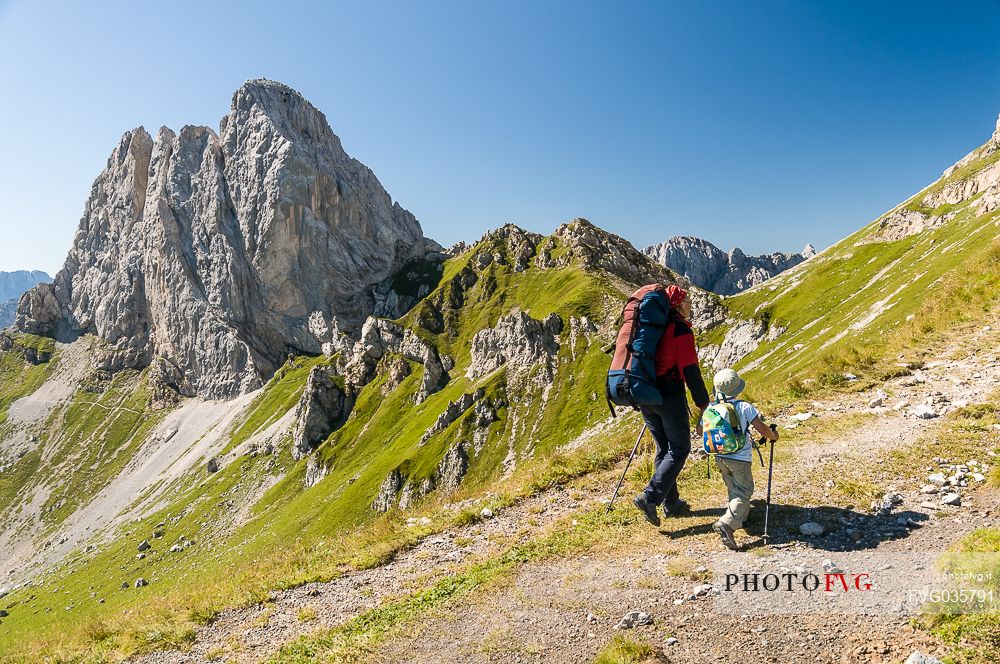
17,377
860,305
899,303
378,437
286,540
962,434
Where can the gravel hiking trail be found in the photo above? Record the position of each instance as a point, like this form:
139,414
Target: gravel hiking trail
566,609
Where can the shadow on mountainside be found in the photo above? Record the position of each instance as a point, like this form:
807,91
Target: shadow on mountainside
843,529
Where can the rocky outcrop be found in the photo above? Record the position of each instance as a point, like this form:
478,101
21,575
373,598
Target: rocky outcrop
905,222
39,311
518,248
581,330
452,468
452,412
414,491
221,253
316,470
387,492
484,412
517,343
741,339
323,407
12,286
944,200
712,269
379,339
582,242
396,491
435,376
396,370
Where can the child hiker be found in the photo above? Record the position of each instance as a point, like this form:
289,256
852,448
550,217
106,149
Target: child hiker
726,435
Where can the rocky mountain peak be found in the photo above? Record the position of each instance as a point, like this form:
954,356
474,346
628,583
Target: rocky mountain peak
596,248
13,284
261,102
221,253
710,268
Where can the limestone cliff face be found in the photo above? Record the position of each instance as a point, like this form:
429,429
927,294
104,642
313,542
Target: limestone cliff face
710,268
8,311
221,253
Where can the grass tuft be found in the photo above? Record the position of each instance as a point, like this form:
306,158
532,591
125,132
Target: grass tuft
621,650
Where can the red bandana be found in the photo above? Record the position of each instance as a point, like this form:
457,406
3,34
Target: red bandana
676,295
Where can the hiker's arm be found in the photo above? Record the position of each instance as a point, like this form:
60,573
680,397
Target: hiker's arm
695,383
687,360
763,429
698,428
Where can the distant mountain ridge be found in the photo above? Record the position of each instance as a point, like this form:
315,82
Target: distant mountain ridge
16,283
12,286
712,269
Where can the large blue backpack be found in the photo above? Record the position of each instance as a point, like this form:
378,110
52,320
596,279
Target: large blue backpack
632,376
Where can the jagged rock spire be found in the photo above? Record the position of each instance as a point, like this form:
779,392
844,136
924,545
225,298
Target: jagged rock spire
221,253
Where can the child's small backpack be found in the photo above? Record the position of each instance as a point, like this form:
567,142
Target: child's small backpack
722,431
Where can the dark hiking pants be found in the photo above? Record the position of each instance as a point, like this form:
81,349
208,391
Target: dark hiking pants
669,425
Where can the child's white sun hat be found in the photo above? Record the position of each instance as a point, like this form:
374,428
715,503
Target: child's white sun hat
729,383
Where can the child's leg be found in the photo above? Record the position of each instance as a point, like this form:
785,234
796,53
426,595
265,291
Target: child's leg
727,477
738,476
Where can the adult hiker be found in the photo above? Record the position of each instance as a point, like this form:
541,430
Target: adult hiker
676,365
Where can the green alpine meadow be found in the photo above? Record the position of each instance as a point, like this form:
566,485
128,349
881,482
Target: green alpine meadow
258,416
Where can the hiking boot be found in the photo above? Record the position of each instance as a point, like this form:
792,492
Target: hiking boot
647,508
675,508
726,534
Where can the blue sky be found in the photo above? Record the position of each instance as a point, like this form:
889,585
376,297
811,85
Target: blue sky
763,125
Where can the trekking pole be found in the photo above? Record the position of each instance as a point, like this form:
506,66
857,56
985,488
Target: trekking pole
630,457
770,469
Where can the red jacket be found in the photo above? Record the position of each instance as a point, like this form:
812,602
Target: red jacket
677,359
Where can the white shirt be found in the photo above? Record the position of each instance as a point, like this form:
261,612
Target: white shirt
747,414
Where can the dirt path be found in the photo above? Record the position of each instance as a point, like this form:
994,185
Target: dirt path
543,613
567,611
252,634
